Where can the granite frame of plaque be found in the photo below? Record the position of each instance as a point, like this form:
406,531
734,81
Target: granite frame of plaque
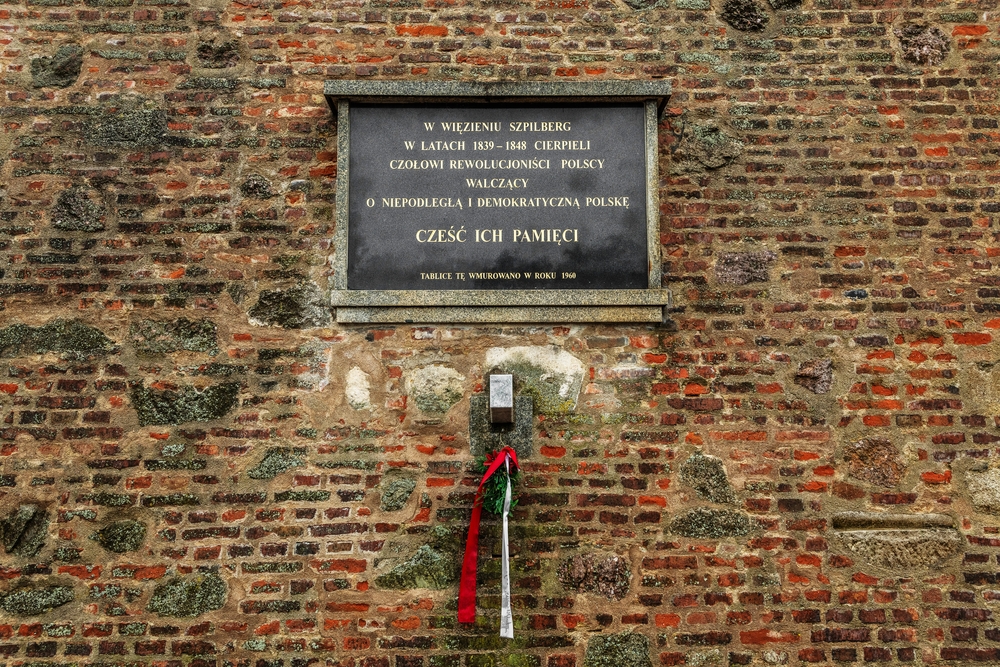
524,152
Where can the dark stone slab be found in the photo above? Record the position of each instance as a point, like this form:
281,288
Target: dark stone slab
562,206
884,521
485,437
57,71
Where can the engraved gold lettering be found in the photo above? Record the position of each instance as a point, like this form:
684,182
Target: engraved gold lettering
562,146
613,202
450,235
527,202
422,202
495,276
415,165
462,127
533,163
545,235
497,183
489,236
540,126
442,145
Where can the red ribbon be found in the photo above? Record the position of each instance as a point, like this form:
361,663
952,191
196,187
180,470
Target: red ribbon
467,585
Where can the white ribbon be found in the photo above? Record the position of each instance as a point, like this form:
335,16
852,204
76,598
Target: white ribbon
506,617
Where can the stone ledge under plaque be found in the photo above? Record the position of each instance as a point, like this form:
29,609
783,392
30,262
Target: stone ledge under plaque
548,297
500,315
471,306
486,437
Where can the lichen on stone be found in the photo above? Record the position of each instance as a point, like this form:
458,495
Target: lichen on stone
395,492
299,307
150,337
35,601
105,499
785,4
128,126
121,536
79,209
608,575
60,70
435,565
257,187
25,531
276,461
187,596
66,554
743,268
707,475
435,388
188,404
237,292
218,56
552,377
170,449
703,147
626,649
641,5
305,496
171,500
427,568
71,338
703,522
875,461
744,15
923,44
816,375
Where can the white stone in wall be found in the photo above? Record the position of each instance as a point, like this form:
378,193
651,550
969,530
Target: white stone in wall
435,388
357,389
984,490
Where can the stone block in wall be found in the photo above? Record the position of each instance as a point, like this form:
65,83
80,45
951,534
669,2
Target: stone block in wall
625,649
59,70
898,542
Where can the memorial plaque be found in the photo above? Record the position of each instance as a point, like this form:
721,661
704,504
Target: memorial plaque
497,202
497,197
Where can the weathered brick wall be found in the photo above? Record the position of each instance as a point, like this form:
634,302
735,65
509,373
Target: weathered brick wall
200,468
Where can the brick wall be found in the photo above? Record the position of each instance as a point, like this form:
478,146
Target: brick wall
200,468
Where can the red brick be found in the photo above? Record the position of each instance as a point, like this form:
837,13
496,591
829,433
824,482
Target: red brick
764,636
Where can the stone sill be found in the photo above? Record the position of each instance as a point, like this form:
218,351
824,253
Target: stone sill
499,306
506,298
501,315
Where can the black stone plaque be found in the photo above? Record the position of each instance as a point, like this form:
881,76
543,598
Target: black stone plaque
505,196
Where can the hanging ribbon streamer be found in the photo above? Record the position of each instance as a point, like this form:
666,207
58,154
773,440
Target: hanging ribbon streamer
467,586
506,615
